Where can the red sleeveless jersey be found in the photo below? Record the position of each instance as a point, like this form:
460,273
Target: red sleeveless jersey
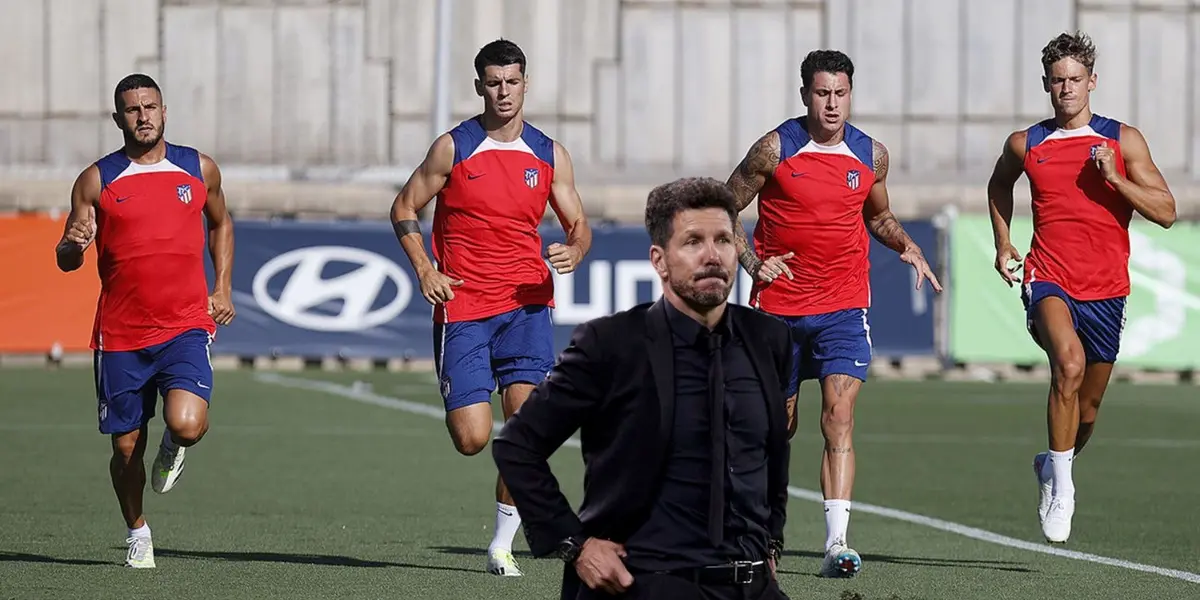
485,225
150,251
1080,222
812,206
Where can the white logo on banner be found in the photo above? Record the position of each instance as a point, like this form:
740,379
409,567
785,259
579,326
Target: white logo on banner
1164,273
358,290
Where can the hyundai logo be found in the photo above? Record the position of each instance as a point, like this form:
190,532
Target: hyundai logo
300,301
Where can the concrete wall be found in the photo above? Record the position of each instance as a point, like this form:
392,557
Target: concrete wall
658,83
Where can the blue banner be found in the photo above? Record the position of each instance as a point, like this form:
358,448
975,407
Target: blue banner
345,288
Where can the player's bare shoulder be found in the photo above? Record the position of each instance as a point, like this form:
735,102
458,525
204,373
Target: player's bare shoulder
1011,162
86,189
755,168
209,169
879,159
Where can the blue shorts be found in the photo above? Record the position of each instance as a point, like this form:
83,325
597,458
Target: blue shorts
128,383
838,342
472,358
1097,322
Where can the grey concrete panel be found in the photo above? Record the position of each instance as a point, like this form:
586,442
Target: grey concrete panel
189,71
649,85
376,121
1112,33
805,34
245,91
410,140
576,137
982,144
304,86
609,108
23,82
413,39
877,49
929,148
933,85
990,40
534,26
22,141
74,57
706,87
74,141
1161,86
379,16
348,56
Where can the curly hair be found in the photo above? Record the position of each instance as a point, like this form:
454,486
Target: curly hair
825,61
689,193
1077,46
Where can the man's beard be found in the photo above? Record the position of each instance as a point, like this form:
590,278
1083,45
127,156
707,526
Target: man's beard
131,140
703,298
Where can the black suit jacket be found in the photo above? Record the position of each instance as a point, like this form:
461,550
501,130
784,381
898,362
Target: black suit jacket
615,384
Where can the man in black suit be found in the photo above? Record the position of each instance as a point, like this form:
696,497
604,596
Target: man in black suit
672,507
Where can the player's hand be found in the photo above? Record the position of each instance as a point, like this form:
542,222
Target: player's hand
81,233
914,257
774,267
563,258
1005,254
437,287
771,563
220,308
599,565
1105,160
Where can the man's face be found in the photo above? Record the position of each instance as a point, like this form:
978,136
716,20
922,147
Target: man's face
1069,85
502,89
828,101
142,116
700,260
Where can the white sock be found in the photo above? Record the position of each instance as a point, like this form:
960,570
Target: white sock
142,532
168,441
837,519
1061,466
507,523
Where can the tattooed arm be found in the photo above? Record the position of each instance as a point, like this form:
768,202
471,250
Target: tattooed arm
745,182
884,226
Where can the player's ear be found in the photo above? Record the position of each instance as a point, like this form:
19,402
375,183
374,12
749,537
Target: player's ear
116,117
479,88
804,96
1045,84
1092,82
658,258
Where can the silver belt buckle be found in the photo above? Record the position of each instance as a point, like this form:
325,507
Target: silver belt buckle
743,567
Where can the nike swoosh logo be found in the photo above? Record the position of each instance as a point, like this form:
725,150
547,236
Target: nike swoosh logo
504,512
470,176
120,200
859,364
203,386
1042,160
795,174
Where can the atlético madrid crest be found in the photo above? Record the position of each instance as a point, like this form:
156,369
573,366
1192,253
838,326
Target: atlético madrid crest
531,178
852,179
184,192
1093,151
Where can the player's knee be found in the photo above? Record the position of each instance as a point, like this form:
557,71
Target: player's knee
127,449
188,430
470,445
1068,372
837,419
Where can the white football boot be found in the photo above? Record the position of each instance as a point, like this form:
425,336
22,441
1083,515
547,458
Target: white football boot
140,554
501,562
167,468
840,561
1045,486
1057,524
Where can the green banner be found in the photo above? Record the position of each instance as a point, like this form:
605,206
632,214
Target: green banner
1162,327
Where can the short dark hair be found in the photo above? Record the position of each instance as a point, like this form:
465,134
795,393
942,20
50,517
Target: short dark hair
135,81
826,61
1077,46
689,193
499,53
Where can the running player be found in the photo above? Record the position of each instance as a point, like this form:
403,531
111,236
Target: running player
145,207
491,290
818,180
1087,175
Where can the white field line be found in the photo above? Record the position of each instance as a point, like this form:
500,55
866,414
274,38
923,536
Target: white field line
365,395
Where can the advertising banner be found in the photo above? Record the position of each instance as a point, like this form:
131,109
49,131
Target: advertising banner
987,319
346,288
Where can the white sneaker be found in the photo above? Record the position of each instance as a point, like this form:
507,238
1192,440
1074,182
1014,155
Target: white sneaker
1057,524
168,467
840,561
502,563
1045,486
140,554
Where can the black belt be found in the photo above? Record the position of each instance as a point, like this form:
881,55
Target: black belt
740,572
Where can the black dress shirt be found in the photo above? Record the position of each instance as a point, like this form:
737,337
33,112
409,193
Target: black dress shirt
675,535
